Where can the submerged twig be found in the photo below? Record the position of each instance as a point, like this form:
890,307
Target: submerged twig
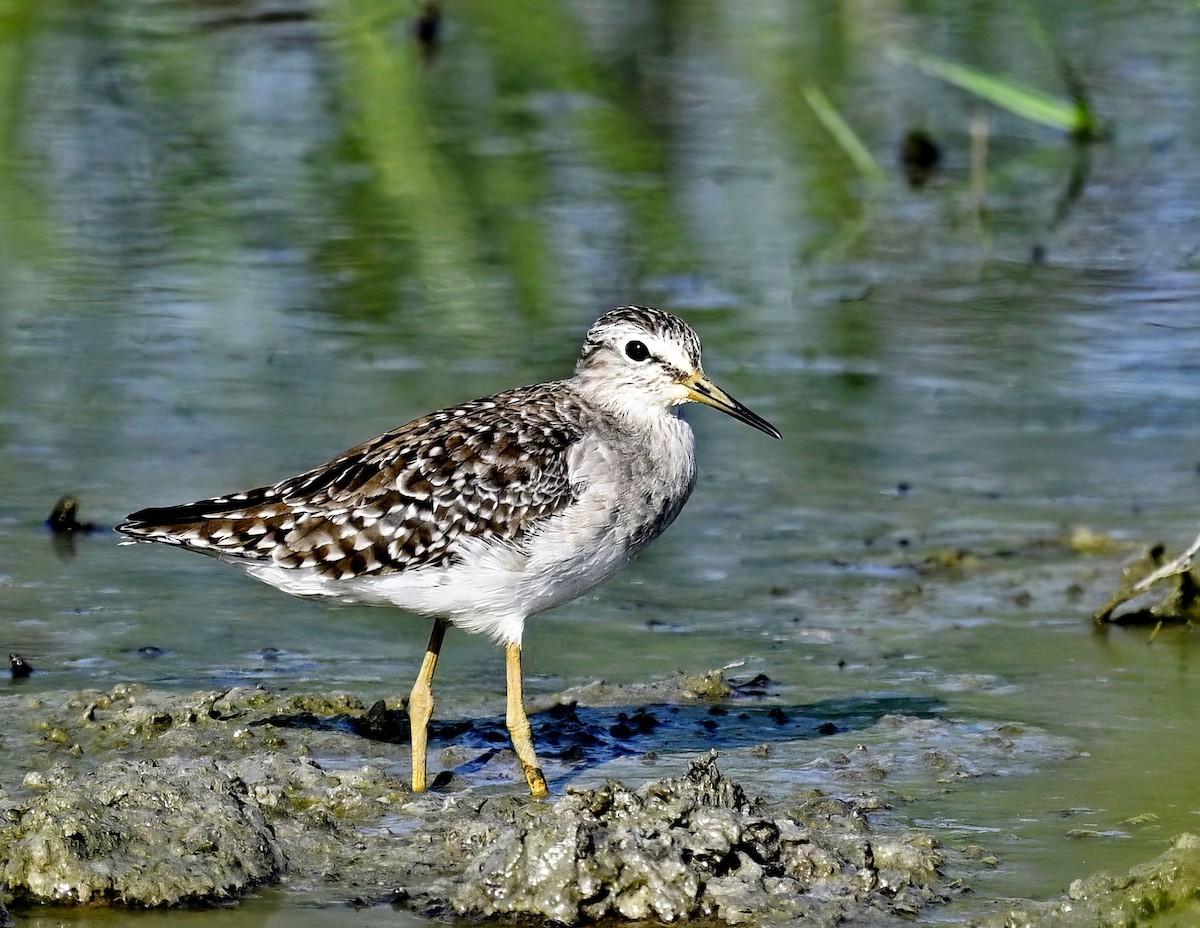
1178,566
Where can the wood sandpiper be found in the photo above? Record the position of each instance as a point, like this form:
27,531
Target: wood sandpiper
485,513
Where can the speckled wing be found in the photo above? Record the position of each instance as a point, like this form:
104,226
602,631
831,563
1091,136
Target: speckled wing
492,469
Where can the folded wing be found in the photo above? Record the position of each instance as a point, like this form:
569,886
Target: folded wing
402,501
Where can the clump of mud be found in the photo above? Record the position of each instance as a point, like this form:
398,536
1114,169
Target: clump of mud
139,833
678,848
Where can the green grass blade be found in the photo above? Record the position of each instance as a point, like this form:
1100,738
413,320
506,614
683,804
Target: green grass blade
1034,105
846,138
1089,126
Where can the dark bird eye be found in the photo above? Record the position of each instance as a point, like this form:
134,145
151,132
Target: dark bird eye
636,351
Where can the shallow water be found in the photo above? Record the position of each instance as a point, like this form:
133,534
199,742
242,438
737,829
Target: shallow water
235,241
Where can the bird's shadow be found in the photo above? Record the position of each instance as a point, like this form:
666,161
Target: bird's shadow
581,737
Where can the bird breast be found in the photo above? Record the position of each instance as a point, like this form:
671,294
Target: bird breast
631,484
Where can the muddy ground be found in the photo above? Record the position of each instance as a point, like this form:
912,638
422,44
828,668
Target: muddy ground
147,797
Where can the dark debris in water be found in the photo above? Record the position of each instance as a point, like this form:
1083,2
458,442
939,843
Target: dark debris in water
65,526
64,518
758,685
920,156
584,736
427,29
19,667
908,554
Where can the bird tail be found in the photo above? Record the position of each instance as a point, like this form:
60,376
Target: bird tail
243,525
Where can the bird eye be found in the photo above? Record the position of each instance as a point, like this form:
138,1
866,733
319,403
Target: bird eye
636,351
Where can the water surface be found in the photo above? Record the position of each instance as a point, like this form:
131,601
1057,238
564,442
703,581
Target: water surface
237,240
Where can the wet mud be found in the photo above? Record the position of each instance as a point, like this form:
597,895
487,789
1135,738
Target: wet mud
693,846
145,797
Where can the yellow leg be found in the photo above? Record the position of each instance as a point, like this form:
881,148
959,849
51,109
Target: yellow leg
420,705
518,724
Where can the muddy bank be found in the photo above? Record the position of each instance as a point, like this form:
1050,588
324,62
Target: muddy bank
1114,900
146,797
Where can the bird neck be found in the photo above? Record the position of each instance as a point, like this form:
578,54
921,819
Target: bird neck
624,402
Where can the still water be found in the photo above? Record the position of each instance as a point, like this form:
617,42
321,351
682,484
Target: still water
238,239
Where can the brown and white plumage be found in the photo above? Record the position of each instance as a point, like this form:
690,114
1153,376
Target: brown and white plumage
489,470
487,512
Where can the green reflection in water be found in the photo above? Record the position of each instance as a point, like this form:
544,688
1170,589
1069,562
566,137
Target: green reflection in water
549,84
380,84
23,232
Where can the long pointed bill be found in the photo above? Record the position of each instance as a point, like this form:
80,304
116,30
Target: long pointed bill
702,390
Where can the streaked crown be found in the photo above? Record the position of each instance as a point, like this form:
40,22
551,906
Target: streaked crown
638,357
644,321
